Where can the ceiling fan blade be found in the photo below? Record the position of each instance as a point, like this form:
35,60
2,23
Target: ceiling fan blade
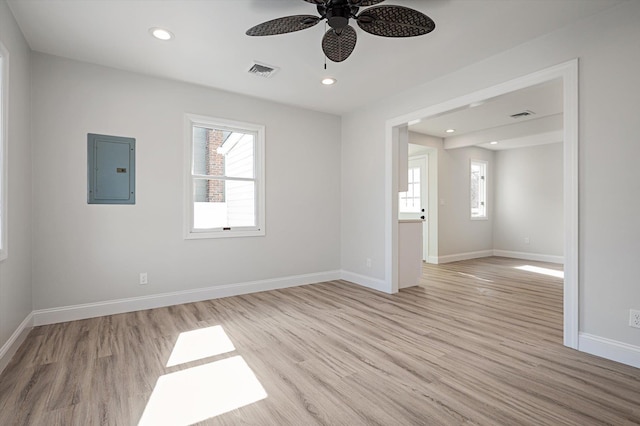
315,1
288,24
395,21
338,47
364,3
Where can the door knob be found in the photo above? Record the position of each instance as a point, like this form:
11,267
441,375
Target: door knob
422,217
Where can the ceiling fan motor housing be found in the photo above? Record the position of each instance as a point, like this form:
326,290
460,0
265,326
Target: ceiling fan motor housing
338,13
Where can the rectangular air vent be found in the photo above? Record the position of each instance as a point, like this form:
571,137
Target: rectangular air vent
524,113
262,70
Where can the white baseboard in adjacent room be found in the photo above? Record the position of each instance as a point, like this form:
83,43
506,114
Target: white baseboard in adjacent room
365,281
111,307
530,256
609,349
11,346
464,256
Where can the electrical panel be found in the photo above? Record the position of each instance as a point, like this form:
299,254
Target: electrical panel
111,169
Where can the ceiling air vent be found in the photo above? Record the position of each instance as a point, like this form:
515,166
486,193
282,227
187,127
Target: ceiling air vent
524,113
262,70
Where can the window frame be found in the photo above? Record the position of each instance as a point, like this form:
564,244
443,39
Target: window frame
193,120
4,173
485,165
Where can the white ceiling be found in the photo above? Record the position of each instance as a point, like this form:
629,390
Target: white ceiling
211,49
491,120
543,100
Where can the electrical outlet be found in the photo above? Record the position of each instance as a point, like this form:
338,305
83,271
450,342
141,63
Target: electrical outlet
368,262
634,318
144,279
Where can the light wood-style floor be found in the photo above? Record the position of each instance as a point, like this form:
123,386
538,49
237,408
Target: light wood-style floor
478,343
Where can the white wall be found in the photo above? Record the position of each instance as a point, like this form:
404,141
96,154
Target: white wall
15,271
520,182
529,200
609,227
457,233
89,253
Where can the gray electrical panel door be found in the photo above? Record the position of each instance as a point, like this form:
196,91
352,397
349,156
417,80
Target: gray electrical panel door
111,169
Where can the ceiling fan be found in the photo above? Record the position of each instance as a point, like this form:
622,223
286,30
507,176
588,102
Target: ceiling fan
340,39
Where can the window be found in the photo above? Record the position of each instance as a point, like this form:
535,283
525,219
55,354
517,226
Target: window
478,189
225,179
409,201
4,68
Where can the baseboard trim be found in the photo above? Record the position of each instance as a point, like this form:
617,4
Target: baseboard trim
432,260
111,307
609,349
502,253
11,346
530,256
365,281
464,256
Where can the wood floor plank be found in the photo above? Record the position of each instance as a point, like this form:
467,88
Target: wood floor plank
479,342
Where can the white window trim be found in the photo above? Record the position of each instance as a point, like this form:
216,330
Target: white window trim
4,163
486,190
205,121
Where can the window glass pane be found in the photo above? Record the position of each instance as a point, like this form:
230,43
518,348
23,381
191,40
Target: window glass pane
219,152
402,205
206,159
240,203
409,201
221,204
475,200
478,190
239,155
209,191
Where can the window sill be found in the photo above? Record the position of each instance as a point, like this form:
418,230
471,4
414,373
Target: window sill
224,234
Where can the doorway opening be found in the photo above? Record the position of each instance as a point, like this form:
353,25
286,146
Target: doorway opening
568,74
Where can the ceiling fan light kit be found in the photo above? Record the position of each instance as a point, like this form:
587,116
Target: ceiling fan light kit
340,40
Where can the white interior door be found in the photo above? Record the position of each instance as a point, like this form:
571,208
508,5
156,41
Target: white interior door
413,204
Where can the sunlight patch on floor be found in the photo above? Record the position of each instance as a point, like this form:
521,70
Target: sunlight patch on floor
539,270
199,344
200,393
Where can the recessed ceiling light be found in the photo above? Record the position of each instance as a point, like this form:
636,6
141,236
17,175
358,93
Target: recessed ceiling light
493,143
450,130
328,81
161,33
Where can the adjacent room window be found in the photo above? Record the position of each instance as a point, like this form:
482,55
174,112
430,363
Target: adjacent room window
478,189
225,180
409,201
4,67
